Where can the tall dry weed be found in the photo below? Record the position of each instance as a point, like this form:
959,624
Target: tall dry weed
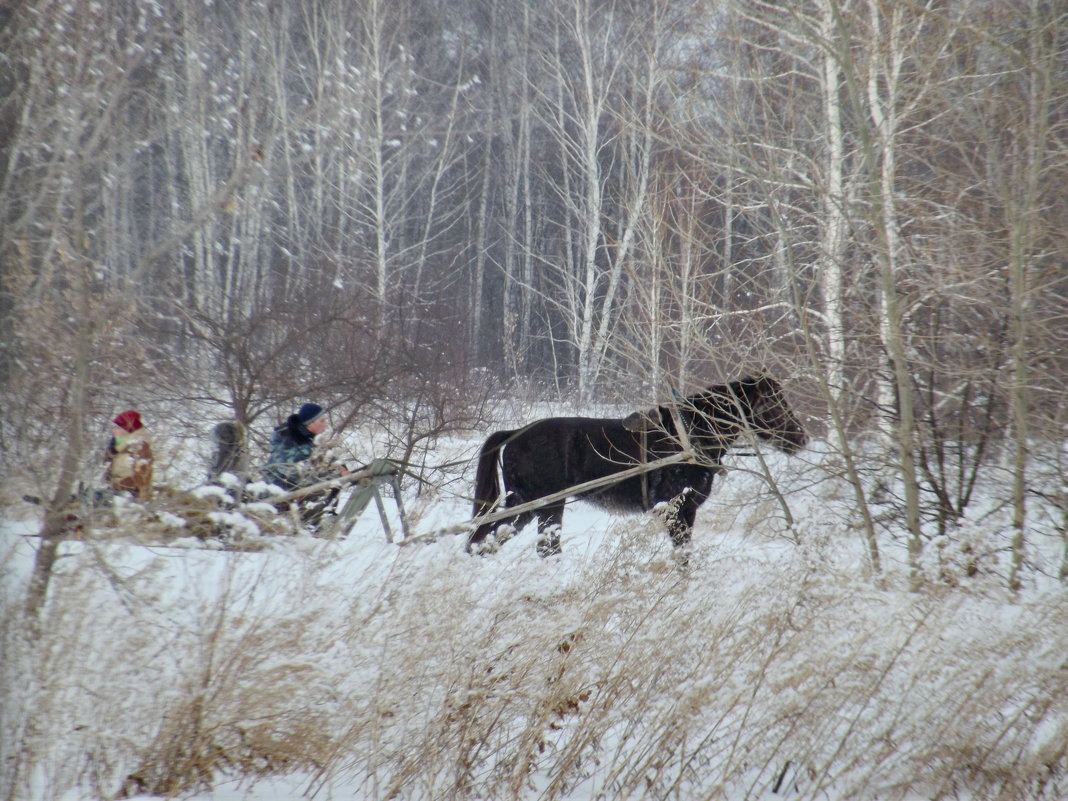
422,673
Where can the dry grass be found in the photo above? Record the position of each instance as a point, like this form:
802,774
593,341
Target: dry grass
420,673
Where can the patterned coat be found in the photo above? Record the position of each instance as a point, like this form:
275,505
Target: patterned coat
129,463
289,465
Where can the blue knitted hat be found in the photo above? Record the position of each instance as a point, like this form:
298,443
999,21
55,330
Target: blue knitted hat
310,412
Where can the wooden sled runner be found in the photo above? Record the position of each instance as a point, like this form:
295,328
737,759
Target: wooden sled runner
368,485
327,509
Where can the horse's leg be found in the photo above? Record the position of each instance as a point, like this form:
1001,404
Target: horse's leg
550,518
503,530
679,515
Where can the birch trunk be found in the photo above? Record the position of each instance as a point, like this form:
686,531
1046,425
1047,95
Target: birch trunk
882,104
1024,222
832,232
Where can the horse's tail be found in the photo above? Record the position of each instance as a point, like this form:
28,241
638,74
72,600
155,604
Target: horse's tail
487,478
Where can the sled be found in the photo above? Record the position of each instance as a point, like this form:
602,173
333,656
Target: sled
318,506
323,509
368,484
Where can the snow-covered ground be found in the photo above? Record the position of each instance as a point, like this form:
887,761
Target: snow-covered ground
777,665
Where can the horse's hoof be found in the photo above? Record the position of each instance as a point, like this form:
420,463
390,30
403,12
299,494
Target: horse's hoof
548,548
549,541
681,557
484,548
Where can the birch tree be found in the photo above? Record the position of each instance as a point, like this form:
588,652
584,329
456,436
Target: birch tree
69,304
1037,59
604,162
883,105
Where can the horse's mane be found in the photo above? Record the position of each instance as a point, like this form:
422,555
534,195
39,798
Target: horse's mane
720,397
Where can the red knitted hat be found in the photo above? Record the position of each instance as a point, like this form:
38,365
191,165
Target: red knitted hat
128,420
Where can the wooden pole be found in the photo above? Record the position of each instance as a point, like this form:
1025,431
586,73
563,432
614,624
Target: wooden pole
530,506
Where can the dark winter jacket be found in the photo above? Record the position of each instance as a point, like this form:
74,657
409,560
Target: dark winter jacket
289,464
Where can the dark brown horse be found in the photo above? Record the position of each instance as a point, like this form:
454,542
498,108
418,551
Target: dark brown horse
548,457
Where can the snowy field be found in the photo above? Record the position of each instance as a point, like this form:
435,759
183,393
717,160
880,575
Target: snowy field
775,666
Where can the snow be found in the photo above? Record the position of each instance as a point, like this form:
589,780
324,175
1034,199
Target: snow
415,670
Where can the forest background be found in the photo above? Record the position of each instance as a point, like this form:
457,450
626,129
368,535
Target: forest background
398,208
407,210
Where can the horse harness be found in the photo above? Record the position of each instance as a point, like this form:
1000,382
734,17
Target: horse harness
643,422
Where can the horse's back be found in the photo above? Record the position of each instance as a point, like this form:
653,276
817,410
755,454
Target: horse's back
550,455
565,437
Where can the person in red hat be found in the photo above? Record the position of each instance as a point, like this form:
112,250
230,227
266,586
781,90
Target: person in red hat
129,456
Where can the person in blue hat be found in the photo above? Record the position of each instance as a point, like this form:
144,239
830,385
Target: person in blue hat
289,465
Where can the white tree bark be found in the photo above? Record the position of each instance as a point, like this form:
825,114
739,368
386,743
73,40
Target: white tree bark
833,224
882,102
1024,223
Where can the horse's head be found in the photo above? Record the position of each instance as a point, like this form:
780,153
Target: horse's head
756,404
769,416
